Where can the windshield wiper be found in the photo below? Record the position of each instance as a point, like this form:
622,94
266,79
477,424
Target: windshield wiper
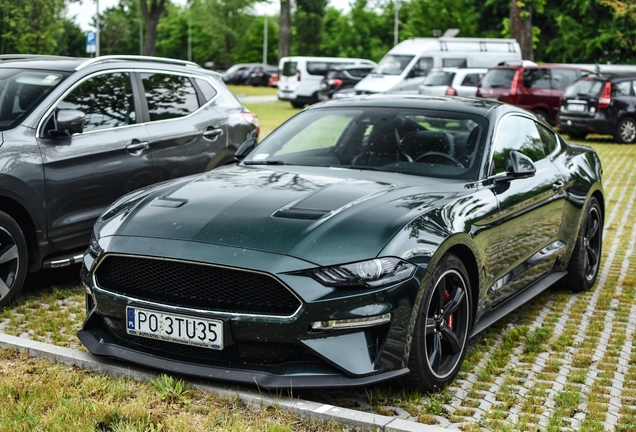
363,167
265,162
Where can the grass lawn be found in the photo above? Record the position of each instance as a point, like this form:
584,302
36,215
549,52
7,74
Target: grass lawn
552,365
240,90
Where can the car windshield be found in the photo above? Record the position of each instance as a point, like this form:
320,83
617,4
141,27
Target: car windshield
392,64
407,141
498,78
439,78
21,90
585,87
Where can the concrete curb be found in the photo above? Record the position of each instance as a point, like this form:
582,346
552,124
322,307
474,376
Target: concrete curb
299,407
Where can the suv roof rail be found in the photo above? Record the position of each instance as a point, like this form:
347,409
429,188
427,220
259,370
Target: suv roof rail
102,59
4,57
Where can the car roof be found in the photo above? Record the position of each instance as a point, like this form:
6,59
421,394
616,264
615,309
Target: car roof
476,106
72,64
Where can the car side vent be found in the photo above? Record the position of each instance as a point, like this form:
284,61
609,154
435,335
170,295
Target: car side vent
300,213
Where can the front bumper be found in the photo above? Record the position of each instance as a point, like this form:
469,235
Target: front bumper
270,351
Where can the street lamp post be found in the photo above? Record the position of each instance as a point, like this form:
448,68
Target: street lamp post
265,41
97,30
141,35
396,21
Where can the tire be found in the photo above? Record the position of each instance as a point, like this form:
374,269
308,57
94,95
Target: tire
577,135
626,131
298,104
13,259
440,336
585,261
542,115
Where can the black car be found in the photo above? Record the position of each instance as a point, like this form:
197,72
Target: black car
259,75
342,78
602,105
77,134
237,74
363,240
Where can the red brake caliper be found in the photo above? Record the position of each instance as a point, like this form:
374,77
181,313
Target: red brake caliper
451,319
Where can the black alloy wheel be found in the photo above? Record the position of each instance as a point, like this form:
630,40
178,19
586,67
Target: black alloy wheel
626,131
442,329
13,259
586,258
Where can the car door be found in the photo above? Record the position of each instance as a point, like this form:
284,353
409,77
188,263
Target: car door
530,209
86,172
186,131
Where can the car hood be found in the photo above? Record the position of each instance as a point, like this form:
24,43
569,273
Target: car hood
378,83
321,215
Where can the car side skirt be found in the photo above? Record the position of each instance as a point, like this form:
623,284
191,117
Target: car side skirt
517,301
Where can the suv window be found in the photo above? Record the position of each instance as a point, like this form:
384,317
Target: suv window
206,88
21,91
498,78
471,80
536,78
585,87
457,62
169,96
622,88
561,78
106,100
520,134
439,78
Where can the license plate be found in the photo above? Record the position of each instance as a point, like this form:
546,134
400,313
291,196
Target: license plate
187,330
576,107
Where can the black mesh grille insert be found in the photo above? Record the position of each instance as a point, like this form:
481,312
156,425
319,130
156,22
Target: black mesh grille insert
197,285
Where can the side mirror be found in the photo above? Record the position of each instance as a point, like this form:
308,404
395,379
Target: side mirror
519,165
68,122
244,149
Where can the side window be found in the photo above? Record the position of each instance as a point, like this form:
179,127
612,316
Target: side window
106,100
206,88
169,96
520,134
548,138
622,88
456,62
561,78
536,78
422,67
471,80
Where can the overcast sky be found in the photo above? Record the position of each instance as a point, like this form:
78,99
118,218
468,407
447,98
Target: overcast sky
84,11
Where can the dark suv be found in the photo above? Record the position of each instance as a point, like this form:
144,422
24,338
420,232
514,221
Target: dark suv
341,78
537,88
77,134
597,104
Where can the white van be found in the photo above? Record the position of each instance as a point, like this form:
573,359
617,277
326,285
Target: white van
299,77
404,67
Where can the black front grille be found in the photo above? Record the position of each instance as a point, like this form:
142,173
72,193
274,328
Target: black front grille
196,285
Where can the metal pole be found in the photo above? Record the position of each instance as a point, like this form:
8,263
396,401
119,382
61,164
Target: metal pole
189,37
265,42
141,35
396,21
97,30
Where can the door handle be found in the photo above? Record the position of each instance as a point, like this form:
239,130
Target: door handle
136,147
558,185
212,133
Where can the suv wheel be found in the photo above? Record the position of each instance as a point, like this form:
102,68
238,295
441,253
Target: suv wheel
626,131
13,259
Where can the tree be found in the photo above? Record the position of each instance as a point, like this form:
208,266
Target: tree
152,12
284,29
31,26
308,22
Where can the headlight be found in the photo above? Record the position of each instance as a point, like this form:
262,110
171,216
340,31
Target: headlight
93,246
371,273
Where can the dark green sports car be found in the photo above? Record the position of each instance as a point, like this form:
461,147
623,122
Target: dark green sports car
365,239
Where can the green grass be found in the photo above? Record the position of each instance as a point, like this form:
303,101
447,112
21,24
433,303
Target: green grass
252,91
271,115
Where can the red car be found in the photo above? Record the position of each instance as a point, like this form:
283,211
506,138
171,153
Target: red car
537,88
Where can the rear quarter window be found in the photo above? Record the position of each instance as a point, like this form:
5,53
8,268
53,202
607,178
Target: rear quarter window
561,78
498,79
585,87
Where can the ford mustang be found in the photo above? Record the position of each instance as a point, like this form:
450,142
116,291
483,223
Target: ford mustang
365,239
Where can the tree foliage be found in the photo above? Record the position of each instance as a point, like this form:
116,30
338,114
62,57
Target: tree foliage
31,26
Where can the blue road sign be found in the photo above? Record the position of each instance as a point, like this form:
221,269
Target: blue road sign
91,42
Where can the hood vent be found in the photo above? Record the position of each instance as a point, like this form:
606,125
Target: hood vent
168,202
300,213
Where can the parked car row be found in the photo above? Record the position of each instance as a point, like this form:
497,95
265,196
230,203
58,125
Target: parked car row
77,134
254,74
